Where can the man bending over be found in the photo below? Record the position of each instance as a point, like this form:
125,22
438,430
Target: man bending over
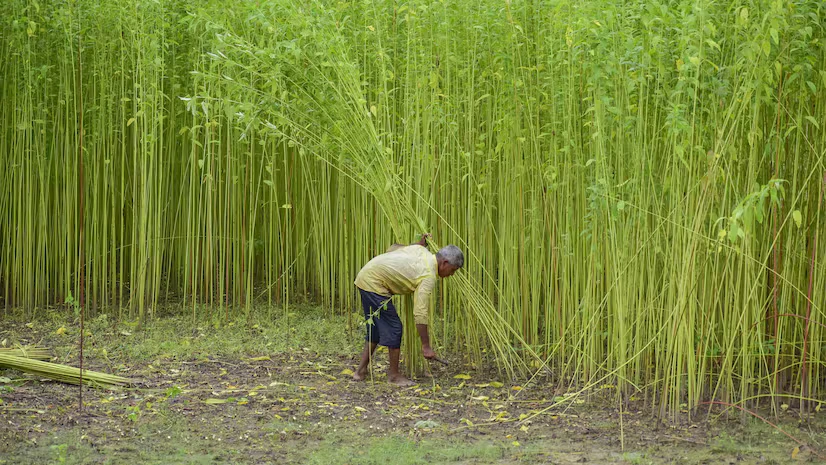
402,270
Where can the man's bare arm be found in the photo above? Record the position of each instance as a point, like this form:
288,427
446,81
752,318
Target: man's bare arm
425,337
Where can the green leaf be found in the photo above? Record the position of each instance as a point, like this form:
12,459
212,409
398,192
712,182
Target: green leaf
733,231
744,15
812,120
798,218
434,80
747,217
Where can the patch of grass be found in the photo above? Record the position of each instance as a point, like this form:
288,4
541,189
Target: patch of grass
76,447
742,443
283,427
636,458
606,425
401,450
305,327
61,448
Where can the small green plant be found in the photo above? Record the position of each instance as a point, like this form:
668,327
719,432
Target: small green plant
60,452
726,443
635,458
172,392
133,412
72,303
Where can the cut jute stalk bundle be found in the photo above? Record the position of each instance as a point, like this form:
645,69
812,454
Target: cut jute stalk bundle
62,373
37,353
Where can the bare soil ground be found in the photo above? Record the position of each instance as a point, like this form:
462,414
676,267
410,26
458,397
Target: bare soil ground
299,405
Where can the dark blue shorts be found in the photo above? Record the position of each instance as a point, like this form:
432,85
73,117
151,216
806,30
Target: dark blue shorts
383,324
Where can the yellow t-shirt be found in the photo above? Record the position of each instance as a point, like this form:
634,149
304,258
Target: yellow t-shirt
405,270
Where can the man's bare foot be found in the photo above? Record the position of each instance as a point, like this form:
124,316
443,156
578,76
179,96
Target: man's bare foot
359,375
400,380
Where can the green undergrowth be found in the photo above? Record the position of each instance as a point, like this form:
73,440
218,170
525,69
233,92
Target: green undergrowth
210,334
189,443
165,441
351,449
173,439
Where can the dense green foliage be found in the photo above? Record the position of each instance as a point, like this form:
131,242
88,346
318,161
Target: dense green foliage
638,186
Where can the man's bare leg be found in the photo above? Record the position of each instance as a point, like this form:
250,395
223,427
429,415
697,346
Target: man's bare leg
366,356
393,374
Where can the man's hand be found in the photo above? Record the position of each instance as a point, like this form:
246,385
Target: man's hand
423,241
423,334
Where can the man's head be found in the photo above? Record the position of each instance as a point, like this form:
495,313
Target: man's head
449,259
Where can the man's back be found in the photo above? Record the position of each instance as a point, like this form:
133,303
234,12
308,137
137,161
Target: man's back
398,272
